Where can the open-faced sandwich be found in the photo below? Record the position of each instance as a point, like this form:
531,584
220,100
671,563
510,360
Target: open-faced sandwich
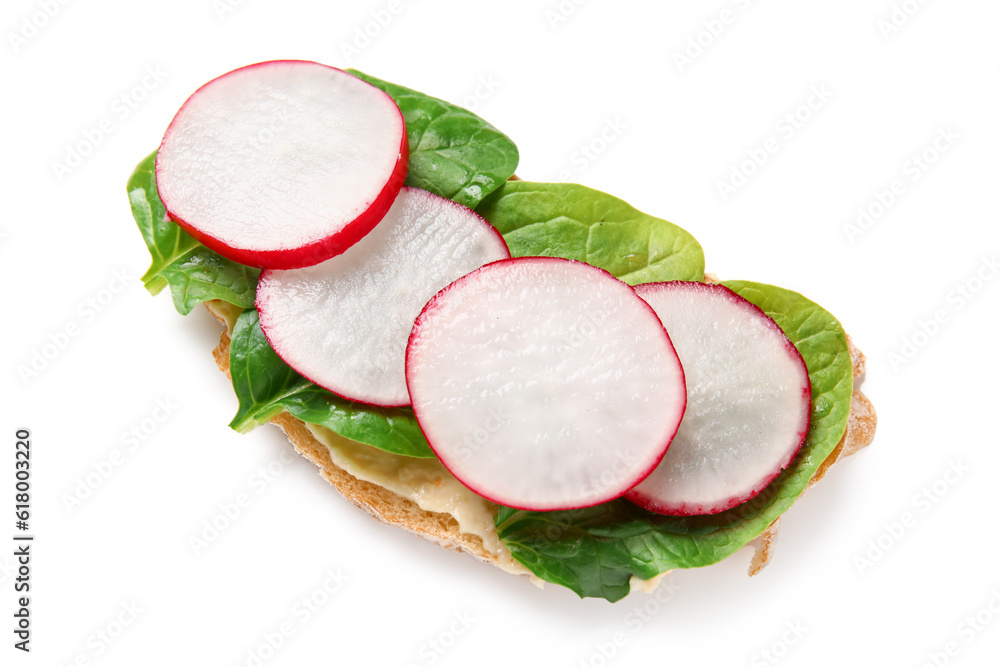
536,374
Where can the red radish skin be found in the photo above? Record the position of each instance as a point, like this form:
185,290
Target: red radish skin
259,186
344,323
544,384
698,475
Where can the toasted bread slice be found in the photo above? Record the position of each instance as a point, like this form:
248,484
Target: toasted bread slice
481,540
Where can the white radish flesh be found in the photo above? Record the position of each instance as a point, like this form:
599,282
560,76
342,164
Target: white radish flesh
543,383
344,323
282,164
748,401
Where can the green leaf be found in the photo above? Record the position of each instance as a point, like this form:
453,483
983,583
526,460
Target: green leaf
266,385
164,239
195,273
577,222
595,551
453,152
201,275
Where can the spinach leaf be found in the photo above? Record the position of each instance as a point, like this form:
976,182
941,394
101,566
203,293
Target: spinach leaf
453,152
195,273
266,385
594,551
577,222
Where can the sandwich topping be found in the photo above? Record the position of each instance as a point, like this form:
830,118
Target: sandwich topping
537,511
426,483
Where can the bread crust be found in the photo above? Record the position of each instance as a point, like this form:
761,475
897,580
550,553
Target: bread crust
377,501
444,530
861,422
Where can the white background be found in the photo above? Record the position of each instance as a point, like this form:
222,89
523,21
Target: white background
849,583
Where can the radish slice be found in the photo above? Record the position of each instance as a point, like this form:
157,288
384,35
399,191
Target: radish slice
543,383
748,401
344,323
282,164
